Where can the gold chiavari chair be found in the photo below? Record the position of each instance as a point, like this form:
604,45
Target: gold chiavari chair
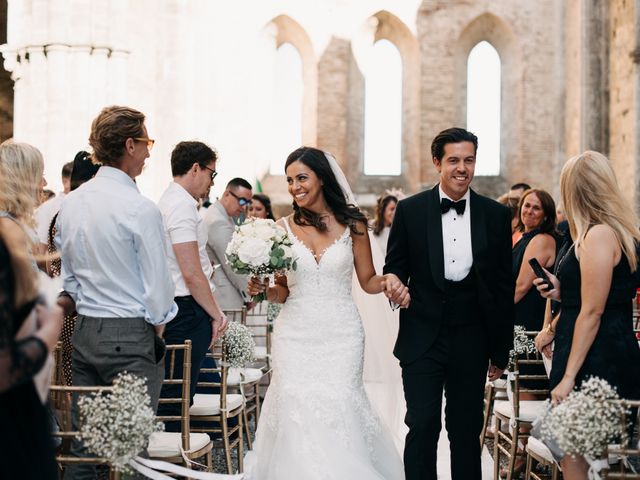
623,468
180,447
517,413
215,412
66,432
538,452
493,391
247,380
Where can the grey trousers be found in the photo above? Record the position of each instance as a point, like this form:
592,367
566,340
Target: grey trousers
104,347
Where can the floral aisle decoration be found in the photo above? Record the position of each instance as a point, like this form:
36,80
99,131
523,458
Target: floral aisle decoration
239,345
117,425
522,345
261,248
586,421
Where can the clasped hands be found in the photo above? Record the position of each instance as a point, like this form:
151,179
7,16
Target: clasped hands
396,291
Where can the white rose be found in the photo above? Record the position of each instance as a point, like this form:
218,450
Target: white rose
255,252
280,233
288,251
264,231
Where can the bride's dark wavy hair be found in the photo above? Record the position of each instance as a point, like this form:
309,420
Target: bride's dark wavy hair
345,213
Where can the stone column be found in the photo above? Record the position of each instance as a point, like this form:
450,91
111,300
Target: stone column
595,63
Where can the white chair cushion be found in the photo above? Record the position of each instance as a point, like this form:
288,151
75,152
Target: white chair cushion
168,444
529,409
205,404
499,383
260,353
246,375
539,449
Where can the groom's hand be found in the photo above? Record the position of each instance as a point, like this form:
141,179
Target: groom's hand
396,291
494,372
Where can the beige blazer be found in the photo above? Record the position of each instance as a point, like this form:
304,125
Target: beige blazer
231,288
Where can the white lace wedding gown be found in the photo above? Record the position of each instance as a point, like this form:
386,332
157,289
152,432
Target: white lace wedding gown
316,421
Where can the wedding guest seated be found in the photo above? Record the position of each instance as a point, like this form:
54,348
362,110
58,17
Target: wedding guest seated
27,332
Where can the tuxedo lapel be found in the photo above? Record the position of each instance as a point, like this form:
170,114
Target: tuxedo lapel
434,237
478,230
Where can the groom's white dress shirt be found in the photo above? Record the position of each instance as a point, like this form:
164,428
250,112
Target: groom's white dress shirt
456,240
113,249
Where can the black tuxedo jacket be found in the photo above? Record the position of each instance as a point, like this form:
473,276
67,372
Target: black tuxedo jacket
415,255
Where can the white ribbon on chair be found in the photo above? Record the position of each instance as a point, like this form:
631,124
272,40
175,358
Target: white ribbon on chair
595,466
153,468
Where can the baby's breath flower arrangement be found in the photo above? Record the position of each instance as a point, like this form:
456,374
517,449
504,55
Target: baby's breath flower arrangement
586,421
260,247
238,344
522,344
117,425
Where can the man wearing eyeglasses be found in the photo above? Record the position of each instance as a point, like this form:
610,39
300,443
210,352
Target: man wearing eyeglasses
114,265
200,318
220,219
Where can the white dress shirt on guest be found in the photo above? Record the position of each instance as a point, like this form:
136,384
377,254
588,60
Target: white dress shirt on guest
183,224
45,213
456,240
113,248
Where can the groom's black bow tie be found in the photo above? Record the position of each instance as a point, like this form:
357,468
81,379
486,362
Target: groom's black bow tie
446,205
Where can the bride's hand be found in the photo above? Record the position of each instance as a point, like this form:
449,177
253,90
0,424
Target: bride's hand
396,291
255,286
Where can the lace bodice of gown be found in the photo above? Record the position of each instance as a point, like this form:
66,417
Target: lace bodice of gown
316,422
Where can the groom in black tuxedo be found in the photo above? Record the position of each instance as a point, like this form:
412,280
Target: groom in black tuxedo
453,249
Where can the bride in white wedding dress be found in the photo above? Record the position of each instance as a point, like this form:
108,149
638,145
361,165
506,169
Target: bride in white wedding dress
316,421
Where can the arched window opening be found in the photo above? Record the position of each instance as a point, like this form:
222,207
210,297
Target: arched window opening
483,105
287,104
383,111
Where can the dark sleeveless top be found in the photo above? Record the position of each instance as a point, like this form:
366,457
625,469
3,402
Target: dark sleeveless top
530,309
614,354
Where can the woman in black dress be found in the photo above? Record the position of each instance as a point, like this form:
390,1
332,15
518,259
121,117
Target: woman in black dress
26,449
595,283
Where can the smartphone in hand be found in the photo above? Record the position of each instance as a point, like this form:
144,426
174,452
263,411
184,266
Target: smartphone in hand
537,269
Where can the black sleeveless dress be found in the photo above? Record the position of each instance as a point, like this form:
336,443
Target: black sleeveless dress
529,311
614,354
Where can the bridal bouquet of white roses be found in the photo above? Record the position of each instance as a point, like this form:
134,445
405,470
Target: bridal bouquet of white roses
261,248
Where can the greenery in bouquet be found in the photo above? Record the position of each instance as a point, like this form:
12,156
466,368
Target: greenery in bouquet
587,420
261,248
522,345
239,345
117,425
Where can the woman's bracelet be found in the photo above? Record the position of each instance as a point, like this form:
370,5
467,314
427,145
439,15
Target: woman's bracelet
549,329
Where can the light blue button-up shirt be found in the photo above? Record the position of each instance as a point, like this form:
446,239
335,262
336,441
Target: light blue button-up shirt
114,257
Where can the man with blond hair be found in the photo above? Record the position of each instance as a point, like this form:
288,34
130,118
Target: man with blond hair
114,264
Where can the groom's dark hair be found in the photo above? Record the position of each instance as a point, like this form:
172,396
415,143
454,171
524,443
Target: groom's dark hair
345,213
451,135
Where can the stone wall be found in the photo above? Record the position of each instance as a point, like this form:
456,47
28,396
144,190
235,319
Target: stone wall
6,84
205,70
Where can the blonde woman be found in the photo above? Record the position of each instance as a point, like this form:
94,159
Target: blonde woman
23,348
596,280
